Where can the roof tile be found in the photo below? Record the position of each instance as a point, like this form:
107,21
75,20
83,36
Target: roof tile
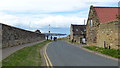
106,14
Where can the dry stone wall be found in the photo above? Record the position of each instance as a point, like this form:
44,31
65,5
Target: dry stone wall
12,36
0,35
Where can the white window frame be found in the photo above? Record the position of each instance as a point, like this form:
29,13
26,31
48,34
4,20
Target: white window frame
91,23
76,29
84,30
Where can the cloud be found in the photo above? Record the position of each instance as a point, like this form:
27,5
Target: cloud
37,14
57,21
8,19
41,21
48,5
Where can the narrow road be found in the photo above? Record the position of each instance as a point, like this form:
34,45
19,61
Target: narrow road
61,53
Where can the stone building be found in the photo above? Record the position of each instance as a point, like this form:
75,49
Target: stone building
77,32
102,27
37,31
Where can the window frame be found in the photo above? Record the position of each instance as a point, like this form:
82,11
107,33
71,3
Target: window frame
77,30
91,23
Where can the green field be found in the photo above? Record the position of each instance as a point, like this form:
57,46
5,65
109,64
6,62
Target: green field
28,56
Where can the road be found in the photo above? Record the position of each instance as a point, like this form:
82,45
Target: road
61,53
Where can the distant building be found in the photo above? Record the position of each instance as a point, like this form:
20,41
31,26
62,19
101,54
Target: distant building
102,27
77,32
37,31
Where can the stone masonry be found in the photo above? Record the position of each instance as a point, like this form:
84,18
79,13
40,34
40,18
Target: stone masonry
12,36
103,31
108,34
0,35
77,32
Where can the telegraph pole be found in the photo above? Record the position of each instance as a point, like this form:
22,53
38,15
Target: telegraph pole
49,29
50,32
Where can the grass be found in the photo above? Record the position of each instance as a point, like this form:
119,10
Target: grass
28,56
73,42
64,38
109,52
68,40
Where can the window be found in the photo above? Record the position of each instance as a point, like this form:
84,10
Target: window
84,30
91,23
76,29
75,34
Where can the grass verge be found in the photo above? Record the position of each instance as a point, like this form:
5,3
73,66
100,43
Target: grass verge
109,52
68,40
28,56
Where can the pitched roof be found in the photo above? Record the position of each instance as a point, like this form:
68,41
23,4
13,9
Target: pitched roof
106,14
77,26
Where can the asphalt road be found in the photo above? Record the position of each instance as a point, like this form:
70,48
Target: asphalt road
61,53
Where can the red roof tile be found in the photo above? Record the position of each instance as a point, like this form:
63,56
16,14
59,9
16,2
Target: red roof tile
106,14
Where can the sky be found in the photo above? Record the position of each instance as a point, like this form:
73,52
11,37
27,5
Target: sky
38,14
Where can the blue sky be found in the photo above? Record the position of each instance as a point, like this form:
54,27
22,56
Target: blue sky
38,14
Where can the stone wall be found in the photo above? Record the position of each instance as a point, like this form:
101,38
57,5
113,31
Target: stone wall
12,36
91,31
0,35
108,34
71,32
102,34
77,32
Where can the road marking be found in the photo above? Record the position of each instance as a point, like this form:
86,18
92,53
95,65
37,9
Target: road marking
48,62
45,60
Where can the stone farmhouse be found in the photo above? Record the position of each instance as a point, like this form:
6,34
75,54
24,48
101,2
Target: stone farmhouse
77,32
102,27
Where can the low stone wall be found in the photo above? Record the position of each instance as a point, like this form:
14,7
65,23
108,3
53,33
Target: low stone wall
108,35
12,36
0,35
